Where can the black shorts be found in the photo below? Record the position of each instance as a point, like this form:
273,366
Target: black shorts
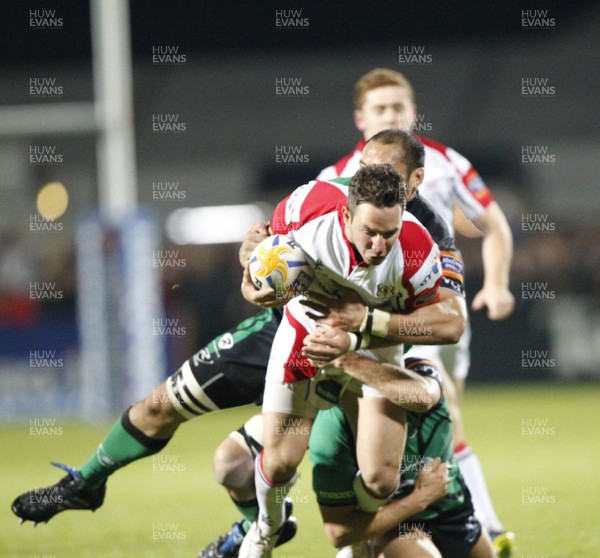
454,533
231,369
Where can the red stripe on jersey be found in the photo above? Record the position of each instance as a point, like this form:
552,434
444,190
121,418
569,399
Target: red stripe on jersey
471,179
323,198
277,222
341,164
477,187
434,144
416,245
296,366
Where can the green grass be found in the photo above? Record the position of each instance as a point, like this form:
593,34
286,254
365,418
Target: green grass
153,513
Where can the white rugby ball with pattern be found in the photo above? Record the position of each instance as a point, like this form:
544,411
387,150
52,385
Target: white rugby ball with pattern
279,263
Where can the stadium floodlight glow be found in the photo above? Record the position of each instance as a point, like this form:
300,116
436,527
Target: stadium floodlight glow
218,224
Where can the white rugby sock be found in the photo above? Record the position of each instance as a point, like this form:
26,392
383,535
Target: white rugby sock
473,474
271,497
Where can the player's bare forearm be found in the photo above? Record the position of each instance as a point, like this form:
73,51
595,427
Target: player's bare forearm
348,525
400,385
440,323
496,250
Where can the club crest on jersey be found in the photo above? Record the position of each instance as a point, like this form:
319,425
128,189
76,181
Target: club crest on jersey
226,342
384,291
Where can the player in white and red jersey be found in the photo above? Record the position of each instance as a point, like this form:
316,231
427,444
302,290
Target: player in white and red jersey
450,180
442,322
364,245
384,99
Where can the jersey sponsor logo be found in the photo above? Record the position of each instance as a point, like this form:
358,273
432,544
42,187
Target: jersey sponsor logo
432,276
452,266
342,495
226,342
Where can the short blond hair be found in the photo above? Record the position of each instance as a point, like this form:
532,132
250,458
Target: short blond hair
379,77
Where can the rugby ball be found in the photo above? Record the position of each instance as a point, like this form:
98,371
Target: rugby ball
279,263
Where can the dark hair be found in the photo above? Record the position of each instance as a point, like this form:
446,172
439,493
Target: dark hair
378,185
412,148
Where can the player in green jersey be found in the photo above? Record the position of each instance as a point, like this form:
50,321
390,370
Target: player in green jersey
447,526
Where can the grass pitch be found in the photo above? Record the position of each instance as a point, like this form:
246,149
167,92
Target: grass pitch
538,446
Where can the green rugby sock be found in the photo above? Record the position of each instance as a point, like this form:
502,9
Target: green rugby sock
249,509
123,444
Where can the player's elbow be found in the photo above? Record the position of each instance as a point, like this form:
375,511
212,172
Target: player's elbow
421,402
455,309
455,330
451,331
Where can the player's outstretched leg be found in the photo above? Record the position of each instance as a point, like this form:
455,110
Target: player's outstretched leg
142,430
226,373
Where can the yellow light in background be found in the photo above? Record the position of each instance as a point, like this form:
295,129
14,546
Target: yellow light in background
52,201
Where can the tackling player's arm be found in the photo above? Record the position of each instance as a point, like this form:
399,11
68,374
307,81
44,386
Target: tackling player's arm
439,323
401,386
346,525
434,324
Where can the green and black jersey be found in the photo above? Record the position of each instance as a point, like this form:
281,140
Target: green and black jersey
333,454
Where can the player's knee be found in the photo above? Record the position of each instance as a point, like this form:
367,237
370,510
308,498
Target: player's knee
157,406
380,481
233,466
279,466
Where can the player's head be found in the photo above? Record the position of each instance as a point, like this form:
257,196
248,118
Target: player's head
400,149
383,99
373,217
